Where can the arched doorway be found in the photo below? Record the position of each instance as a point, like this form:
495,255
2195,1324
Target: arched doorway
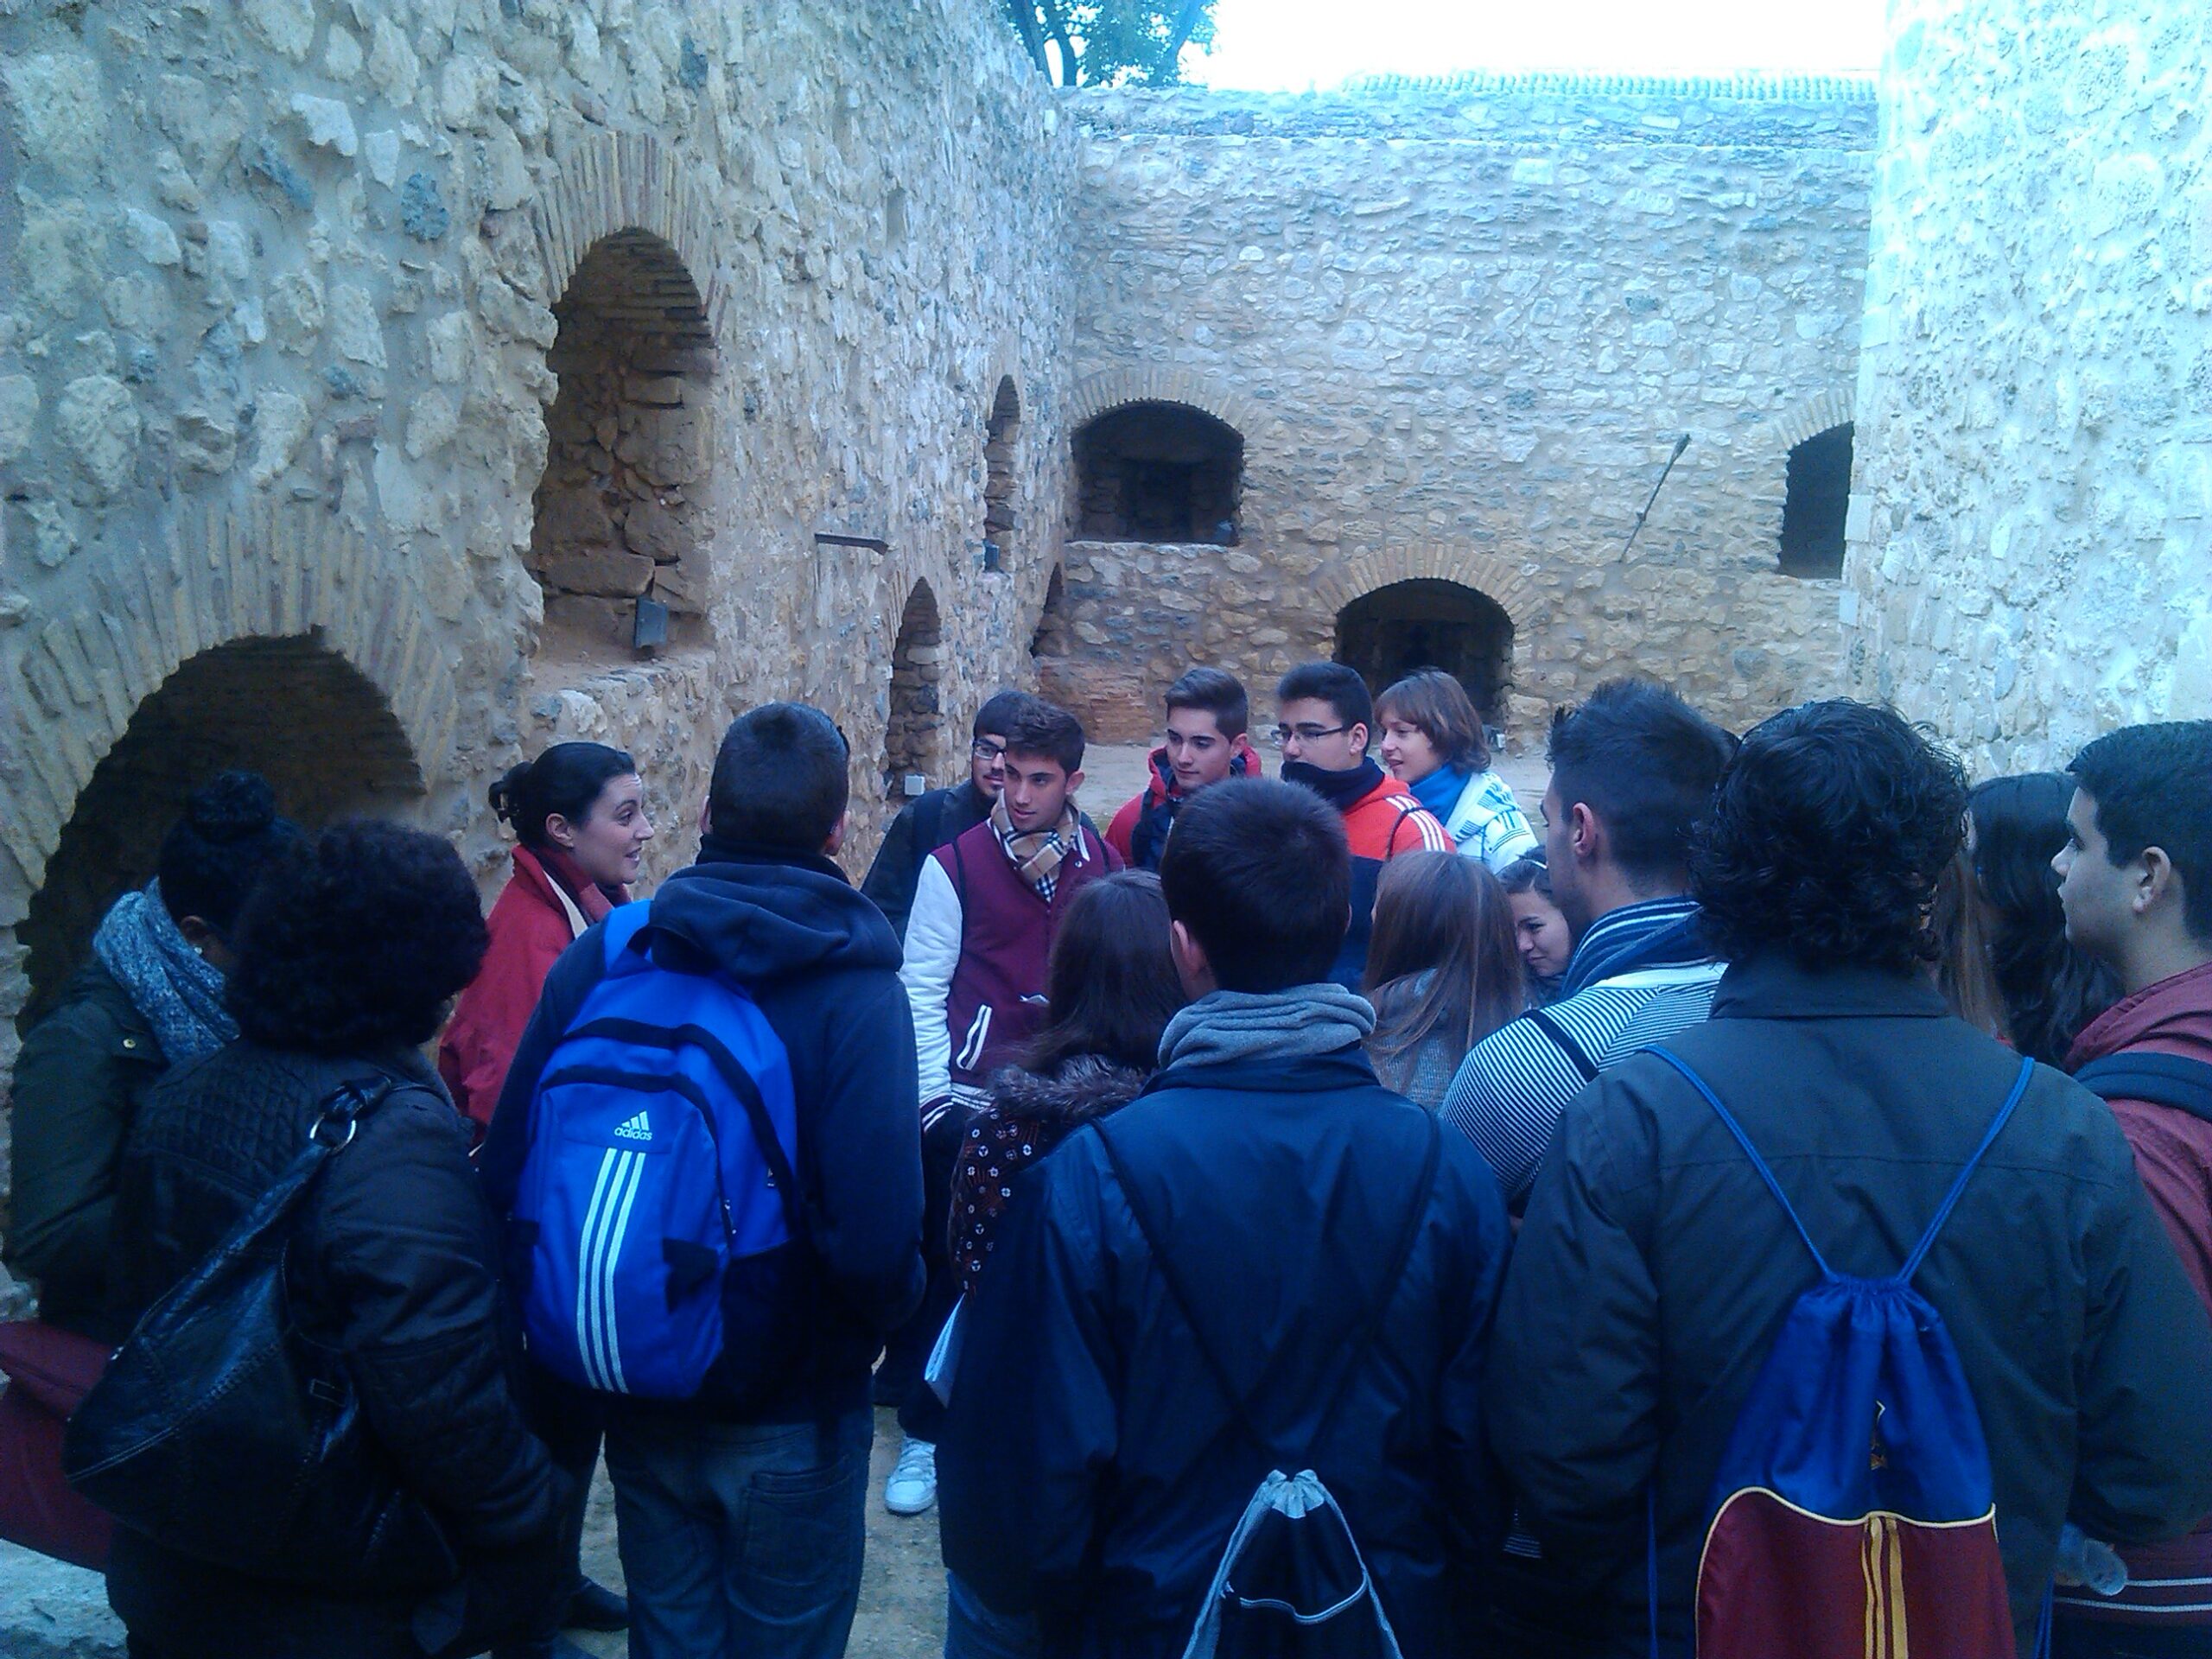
290,708
1816,501
622,511
1158,472
913,733
999,432
1425,623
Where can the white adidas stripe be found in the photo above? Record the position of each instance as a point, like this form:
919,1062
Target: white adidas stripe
587,1281
631,1176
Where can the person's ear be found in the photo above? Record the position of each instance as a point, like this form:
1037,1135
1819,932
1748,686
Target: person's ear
836,837
561,832
1190,959
1359,735
197,933
2158,878
1585,834
1074,780
707,815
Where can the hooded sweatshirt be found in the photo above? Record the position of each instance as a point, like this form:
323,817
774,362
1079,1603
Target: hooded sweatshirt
823,964
2173,1154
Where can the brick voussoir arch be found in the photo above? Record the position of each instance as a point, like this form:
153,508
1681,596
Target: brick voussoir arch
1485,573
630,180
277,570
1111,389
1809,418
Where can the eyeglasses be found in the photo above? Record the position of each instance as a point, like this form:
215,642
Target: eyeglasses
1282,734
983,749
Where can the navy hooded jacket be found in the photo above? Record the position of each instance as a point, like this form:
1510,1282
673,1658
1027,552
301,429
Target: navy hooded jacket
1090,1469
823,964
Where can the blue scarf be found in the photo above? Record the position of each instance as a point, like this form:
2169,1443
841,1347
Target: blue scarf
173,986
1654,933
1441,791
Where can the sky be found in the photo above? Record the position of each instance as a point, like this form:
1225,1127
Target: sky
1293,44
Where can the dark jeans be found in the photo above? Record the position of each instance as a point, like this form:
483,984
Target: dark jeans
2098,1638
739,1538
921,1412
973,1630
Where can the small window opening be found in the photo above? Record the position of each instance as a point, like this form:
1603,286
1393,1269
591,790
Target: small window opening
1816,500
1158,472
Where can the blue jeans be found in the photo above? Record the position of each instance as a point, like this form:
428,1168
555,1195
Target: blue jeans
739,1538
974,1631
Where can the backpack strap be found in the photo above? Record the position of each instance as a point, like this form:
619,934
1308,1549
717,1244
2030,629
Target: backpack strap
2172,1080
1362,1334
1989,1138
1576,1056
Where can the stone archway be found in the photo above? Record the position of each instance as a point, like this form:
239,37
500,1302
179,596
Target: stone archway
289,707
1158,472
1001,429
913,731
1426,623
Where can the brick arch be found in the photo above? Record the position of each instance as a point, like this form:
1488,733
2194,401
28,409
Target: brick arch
1485,573
1112,389
619,182
1810,417
278,572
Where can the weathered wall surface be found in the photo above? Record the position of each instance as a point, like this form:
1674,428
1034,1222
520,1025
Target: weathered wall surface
2032,508
281,282
1459,325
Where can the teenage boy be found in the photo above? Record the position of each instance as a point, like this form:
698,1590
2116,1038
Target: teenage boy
943,815
2136,881
1656,1268
1096,1461
1207,713
1632,771
977,943
1324,717
741,1526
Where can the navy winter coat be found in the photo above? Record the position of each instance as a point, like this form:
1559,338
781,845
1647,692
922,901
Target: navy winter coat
1088,1469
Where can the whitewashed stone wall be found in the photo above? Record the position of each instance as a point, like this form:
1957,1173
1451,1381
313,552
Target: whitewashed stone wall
278,282
2032,508
1460,325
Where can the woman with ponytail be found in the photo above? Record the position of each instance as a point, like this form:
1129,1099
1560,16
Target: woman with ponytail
149,998
578,812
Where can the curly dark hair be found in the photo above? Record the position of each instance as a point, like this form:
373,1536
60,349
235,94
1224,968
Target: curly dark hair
1826,837
355,940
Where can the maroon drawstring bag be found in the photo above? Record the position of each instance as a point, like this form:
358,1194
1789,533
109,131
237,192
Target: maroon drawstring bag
49,1372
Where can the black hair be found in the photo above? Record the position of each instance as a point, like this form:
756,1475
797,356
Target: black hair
998,713
1216,691
1340,687
212,856
779,778
1827,837
1527,873
2050,990
1111,980
1260,873
1045,728
1645,762
565,780
2152,787
355,940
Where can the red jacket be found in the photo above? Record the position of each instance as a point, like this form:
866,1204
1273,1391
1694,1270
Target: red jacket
533,921
2173,1154
1154,806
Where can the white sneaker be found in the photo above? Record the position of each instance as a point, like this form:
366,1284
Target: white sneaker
912,1487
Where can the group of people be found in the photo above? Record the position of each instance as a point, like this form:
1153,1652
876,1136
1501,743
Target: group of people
1338,1142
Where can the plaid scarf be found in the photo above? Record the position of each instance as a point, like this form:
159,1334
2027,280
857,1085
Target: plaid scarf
1038,854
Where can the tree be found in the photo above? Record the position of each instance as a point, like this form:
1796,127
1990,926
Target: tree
1112,43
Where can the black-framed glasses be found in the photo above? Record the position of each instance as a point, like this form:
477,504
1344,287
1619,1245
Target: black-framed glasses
983,749
1282,734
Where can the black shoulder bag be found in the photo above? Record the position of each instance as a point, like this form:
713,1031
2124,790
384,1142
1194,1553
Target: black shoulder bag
222,1431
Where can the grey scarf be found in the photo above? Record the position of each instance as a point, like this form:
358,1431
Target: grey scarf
1295,1024
176,989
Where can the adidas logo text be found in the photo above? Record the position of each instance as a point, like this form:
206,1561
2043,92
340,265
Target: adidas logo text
636,1127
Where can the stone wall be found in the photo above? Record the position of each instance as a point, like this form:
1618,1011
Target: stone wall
1459,325
361,361
2033,506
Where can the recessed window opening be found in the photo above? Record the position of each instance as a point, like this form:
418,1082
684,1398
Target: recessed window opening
999,434
1055,635
1816,500
913,735
1158,472
1431,624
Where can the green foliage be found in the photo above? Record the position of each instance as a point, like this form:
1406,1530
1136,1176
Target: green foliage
1112,43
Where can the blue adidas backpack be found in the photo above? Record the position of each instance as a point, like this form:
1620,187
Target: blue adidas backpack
1854,1513
657,1202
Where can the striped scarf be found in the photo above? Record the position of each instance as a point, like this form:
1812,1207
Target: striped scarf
1038,854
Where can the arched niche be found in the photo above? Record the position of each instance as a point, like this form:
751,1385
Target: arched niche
620,514
1429,623
1816,500
914,733
1158,472
1054,635
289,707
1001,432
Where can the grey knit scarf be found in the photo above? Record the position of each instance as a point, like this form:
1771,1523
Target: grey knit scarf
180,994
1302,1021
